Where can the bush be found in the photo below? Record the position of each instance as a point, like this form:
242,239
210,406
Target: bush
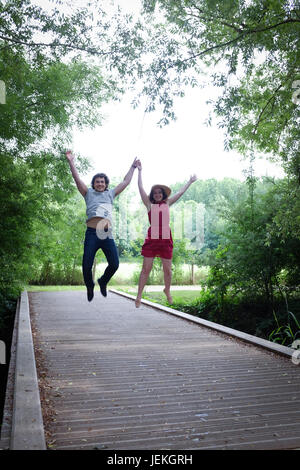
51,275
287,333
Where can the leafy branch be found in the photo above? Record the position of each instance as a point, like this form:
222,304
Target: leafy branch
93,51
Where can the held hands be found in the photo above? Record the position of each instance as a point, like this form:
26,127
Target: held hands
136,163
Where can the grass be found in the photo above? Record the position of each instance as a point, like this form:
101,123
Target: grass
181,296
158,297
53,288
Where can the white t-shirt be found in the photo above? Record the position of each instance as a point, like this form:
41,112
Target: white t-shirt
99,203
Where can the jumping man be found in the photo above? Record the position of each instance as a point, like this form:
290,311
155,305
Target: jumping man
99,200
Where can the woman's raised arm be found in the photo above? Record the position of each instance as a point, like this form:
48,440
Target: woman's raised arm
143,193
176,196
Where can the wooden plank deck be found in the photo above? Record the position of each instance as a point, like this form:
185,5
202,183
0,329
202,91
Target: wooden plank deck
121,378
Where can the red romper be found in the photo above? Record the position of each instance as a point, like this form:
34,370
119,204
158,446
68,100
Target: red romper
159,240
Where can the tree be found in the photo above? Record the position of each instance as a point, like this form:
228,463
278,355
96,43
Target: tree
249,49
65,32
253,259
215,196
47,93
57,245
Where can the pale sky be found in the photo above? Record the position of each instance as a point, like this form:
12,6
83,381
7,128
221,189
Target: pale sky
169,154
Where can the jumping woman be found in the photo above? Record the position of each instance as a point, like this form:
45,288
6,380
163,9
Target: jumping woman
159,242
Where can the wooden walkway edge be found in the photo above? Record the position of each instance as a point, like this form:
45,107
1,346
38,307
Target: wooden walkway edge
255,340
22,421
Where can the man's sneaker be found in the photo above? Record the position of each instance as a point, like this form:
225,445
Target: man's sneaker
102,287
90,293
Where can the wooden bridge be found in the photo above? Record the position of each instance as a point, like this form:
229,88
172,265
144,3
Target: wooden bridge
105,375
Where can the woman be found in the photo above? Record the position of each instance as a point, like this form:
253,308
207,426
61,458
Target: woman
158,242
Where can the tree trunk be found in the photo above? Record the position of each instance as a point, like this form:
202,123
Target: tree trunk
73,270
193,274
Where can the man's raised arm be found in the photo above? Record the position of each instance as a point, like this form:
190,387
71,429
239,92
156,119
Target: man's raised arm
127,179
82,187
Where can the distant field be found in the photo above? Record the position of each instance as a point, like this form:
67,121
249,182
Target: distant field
128,275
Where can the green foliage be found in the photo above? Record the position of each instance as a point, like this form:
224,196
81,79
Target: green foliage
181,297
250,234
214,195
251,51
54,97
58,246
288,333
59,34
47,93
255,267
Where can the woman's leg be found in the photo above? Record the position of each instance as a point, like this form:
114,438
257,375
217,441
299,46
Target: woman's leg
167,267
146,269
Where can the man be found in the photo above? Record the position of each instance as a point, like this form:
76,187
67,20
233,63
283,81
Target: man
99,201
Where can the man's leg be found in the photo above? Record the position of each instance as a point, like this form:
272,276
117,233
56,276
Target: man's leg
111,253
91,245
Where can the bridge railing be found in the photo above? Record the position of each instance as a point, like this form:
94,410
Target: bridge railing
22,427
255,340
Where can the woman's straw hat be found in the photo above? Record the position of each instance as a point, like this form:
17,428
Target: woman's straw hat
162,186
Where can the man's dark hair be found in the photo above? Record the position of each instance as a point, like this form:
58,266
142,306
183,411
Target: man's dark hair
100,175
163,193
